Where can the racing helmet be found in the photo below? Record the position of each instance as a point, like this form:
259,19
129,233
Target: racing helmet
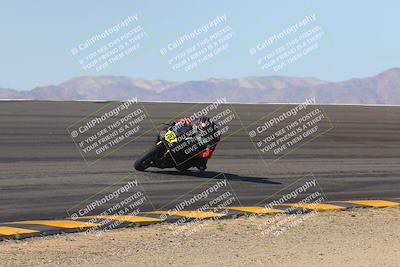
203,122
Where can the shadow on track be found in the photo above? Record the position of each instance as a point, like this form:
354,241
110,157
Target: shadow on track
212,174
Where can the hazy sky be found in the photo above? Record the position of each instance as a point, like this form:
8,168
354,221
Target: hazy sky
361,38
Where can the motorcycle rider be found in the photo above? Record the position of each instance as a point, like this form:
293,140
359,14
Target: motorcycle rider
205,131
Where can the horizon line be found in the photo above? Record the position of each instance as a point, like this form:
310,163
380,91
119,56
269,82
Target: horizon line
210,78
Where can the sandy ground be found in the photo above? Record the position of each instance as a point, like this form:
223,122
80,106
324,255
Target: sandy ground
369,237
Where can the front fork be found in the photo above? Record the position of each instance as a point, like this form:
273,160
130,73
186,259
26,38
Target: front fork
164,159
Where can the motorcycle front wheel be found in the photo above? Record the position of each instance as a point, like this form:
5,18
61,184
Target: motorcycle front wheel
146,159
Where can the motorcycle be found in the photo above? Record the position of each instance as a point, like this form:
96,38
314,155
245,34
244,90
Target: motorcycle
178,145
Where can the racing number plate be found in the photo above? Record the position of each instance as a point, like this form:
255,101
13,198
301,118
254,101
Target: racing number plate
170,137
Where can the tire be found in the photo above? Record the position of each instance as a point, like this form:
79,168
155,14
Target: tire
144,161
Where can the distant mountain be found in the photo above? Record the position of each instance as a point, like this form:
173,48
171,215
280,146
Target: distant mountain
10,94
243,90
380,89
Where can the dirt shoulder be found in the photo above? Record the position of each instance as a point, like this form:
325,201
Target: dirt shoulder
368,237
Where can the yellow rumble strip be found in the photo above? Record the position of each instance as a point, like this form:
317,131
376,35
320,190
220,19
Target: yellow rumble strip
131,219
373,203
258,210
60,224
316,207
9,231
17,228
189,214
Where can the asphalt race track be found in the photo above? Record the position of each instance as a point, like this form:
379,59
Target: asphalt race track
43,176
